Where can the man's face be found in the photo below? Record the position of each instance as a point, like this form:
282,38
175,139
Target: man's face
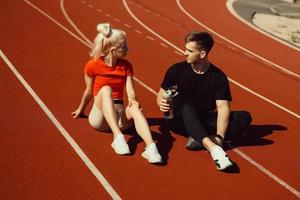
193,53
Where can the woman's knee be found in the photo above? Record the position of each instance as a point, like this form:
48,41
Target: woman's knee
132,111
96,119
106,90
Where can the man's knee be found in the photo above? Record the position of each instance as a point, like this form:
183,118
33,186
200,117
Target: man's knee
244,117
188,108
247,117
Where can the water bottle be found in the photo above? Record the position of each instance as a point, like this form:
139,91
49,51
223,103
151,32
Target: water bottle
168,96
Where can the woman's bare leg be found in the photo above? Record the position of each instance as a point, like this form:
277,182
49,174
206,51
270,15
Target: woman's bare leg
140,122
105,102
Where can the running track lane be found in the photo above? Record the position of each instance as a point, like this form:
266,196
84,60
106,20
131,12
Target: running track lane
188,160
36,161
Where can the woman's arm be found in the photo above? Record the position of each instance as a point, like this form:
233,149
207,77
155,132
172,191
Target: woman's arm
130,91
86,97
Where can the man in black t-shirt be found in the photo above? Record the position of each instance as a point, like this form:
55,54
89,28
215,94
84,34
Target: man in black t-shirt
201,103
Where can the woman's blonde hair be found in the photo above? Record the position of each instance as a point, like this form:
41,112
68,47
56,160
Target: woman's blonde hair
105,39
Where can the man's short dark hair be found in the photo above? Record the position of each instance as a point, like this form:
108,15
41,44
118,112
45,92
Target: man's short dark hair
203,39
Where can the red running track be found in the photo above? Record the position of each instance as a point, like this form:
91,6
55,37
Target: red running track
37,161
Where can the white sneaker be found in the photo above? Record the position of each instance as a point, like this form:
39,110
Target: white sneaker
120,145
220,157
151,154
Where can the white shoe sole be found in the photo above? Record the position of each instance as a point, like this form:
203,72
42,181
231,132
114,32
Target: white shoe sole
120,152
226,165
157,160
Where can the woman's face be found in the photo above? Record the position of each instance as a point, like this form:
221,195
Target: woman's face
121,50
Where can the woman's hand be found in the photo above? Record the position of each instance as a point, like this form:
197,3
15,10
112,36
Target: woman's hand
78,114
134,102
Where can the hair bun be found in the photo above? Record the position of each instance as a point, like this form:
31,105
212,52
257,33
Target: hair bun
104,28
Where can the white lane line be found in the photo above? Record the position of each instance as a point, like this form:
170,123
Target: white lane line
239,152
100,11
63,131
237,45
182,52
229,5
62,7
145,86
250,56
267,172
162,44
107,15
233,48
117,20
150,38
127,25
139,32
91,6
57,23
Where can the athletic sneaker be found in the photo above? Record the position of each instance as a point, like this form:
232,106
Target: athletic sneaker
120,145
151,154
220,157
193,144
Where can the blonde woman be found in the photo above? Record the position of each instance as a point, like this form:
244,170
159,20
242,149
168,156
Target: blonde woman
106,75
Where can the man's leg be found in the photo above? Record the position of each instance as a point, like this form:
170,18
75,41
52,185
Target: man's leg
239,120
194,126
192,123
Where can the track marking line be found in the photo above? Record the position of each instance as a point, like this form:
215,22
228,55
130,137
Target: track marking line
63,131
250,56
239,152
62,7
107,15
117,20
179,53
150,38
237,45
162,44
127,25
139,32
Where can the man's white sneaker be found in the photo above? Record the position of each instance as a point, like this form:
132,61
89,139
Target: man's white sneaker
151,154
220,157
120,145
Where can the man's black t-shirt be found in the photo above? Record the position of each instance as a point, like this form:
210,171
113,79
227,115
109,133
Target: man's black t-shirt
200,89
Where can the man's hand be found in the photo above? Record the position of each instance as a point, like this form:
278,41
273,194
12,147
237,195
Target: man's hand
163,105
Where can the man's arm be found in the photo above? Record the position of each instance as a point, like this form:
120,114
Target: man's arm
223,109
